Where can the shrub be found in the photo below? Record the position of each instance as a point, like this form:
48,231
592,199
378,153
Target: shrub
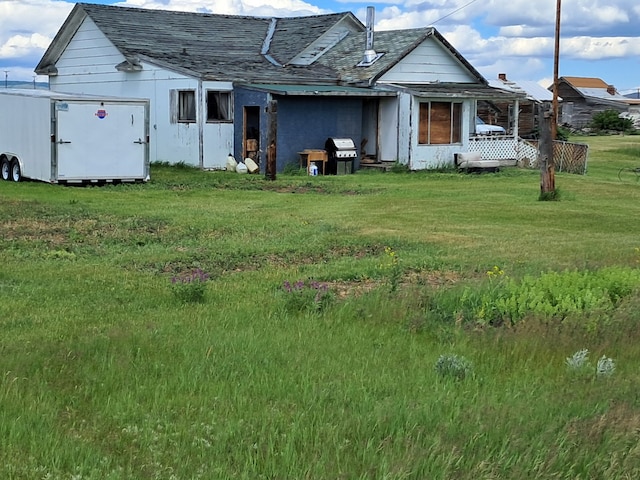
391,268
190,287
611,120
605,367
304,296
552,295
453,366
579,363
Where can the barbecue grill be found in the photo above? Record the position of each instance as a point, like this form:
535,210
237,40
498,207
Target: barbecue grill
341,155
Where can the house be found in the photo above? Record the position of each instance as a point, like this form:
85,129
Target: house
502,112
221,84
582,97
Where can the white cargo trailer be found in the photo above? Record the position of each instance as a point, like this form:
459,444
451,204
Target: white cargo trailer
70,138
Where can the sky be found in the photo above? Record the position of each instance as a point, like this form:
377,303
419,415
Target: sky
598,38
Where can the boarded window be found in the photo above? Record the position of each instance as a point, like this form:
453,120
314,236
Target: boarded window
218,106
182,105
440,123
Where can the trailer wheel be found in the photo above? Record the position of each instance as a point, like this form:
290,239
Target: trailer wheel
16,174
5,168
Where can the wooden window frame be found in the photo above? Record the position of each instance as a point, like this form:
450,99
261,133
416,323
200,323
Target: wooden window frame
183,106
440,123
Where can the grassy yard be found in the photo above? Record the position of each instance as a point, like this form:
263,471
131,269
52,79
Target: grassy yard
209,325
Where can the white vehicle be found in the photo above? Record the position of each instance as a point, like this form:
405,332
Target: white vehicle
486,129
70,138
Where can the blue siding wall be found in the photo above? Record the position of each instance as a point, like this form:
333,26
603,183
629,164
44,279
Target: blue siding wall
303,122
249,98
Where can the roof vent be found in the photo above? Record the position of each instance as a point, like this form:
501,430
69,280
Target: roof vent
370,55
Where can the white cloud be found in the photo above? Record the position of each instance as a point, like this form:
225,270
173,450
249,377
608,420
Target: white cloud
232,7
27,27
494,35
600,48
20,46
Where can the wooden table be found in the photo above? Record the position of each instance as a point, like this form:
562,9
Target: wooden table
309,156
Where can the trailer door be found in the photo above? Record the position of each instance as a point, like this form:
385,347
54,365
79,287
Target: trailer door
101,141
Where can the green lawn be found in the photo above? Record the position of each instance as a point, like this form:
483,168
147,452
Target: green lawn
311,350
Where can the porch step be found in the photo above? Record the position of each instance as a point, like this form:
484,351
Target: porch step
369,165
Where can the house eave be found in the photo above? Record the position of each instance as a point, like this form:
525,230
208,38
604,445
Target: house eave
457,91
46,66
318,90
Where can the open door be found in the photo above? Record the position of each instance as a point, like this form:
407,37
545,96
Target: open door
369,143
251,134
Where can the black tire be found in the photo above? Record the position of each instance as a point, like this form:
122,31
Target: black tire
5,169
16,173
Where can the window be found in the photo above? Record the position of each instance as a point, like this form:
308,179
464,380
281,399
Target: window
218,106
183,106
440,123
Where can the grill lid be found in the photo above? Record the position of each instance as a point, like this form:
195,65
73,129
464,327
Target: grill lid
343,143
341,147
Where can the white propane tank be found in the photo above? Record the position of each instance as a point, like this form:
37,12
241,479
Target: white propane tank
231,163
241,168
313,170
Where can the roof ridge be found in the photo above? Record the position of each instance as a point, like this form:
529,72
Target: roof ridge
212,14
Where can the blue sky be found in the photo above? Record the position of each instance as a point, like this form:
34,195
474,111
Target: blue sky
599,38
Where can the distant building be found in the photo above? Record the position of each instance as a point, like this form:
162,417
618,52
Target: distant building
502,113
582,97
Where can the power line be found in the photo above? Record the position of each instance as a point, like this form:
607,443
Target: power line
455,11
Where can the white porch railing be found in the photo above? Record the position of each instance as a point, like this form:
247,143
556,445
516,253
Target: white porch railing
509,151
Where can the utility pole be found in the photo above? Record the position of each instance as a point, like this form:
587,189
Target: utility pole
549,128
556,61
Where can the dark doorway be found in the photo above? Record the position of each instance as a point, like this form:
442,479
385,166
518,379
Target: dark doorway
251,134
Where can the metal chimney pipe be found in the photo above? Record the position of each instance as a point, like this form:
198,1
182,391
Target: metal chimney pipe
370,21
369,53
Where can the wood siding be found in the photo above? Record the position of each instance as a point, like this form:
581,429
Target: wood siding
577,111
429,62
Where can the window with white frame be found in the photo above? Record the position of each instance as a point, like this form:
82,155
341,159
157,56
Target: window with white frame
440,123
219,106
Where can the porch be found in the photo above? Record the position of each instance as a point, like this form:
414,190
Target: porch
510,151
514,151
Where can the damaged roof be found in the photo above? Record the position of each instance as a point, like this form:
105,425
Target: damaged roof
213,47
311,50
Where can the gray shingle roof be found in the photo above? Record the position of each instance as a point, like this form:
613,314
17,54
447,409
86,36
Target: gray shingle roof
233,47
395,44
215,47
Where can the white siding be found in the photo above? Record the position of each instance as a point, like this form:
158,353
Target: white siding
429,62
389,134
435,156
88,66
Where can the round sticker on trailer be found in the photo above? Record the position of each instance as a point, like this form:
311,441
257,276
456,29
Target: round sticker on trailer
101,113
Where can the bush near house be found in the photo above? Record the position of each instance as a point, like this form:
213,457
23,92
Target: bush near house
610,120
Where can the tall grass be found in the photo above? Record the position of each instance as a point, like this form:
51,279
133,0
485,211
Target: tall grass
104,375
